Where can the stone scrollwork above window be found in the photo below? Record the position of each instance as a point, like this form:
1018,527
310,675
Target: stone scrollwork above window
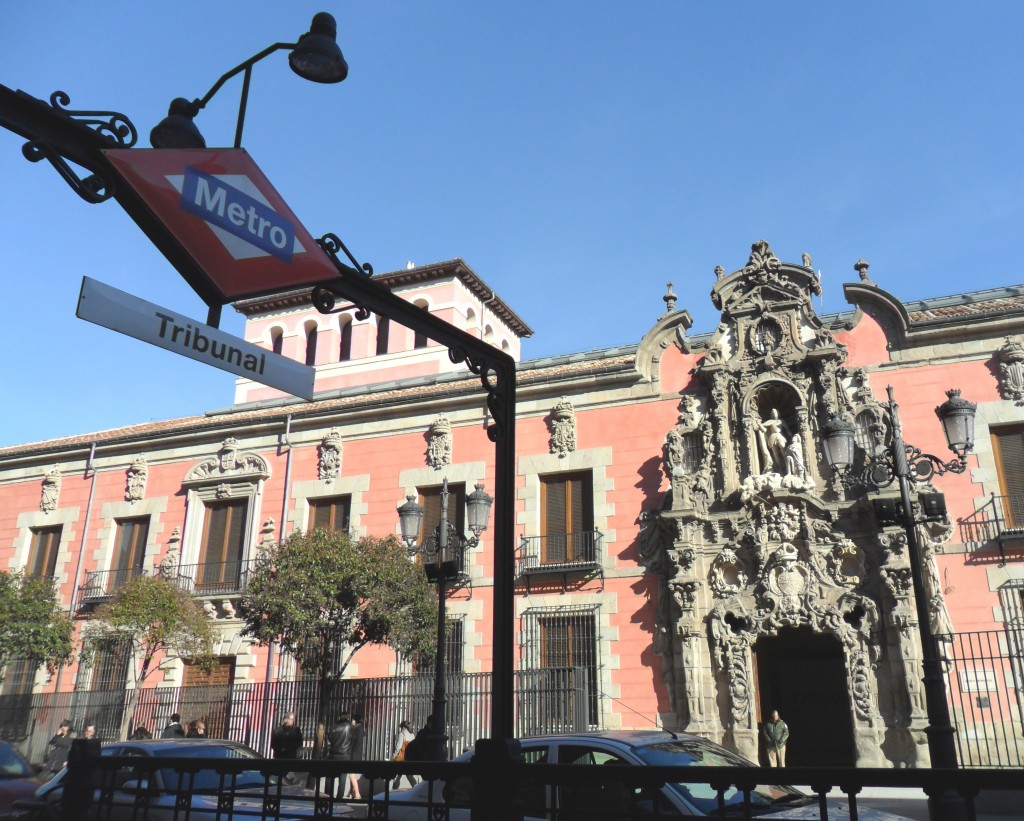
135,479
563,428
329,463
439,443
230,464
1010,370
51,490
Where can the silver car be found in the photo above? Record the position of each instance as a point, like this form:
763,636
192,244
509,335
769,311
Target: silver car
606,798
203,791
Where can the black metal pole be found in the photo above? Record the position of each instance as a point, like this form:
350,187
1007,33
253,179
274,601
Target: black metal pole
440,739
940,732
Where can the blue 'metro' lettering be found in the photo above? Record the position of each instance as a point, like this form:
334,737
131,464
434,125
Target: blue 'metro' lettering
226,207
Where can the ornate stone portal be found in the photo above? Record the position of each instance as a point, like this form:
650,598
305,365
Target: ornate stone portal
756,537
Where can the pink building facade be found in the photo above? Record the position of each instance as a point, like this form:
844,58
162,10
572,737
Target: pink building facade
683,542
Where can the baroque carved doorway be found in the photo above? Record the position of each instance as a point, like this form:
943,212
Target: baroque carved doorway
802,674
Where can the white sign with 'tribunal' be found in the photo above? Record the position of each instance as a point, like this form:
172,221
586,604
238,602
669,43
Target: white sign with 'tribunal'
127,314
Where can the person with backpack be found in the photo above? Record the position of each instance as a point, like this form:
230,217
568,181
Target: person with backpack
399,748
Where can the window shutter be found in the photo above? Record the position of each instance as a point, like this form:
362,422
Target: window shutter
1010,462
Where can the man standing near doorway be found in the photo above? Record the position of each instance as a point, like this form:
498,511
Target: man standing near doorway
776,734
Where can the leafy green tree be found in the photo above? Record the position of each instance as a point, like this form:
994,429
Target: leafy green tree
323,597
33,625
157,622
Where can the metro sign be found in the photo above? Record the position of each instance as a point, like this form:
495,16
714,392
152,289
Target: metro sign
224,212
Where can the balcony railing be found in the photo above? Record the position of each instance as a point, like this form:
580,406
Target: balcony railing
561,555
998,523
102,585
215,578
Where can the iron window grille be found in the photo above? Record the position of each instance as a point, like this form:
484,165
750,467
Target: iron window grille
566,637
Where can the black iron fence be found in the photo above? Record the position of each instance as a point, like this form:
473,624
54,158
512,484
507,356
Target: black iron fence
986,692
547,701
130,787
215,578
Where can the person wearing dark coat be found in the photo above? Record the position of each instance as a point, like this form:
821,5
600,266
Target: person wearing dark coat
57,753
173,728
339,745
286,740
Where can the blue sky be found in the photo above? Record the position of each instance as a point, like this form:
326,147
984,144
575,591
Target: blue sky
577,154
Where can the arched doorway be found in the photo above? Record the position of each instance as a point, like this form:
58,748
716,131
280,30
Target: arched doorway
802,674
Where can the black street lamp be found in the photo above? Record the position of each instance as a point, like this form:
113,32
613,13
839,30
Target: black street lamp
315,57
907,464
443,549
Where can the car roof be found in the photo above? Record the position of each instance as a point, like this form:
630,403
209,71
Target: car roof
632,738
156,745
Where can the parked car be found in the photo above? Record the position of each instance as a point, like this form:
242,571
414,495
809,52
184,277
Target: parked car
18,779
204,790
607,798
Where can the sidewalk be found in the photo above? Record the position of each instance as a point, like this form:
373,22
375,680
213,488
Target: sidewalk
995,805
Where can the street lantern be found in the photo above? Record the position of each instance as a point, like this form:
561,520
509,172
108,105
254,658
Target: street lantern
410,519
957,417
478,510
837,440
315,57
907,464
441,549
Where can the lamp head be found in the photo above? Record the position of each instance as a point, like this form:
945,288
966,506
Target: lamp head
478,506
316,56
410,517
957,417
178,128
837,438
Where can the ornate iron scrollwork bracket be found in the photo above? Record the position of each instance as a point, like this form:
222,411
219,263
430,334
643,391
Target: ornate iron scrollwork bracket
881,471
111,125
324,299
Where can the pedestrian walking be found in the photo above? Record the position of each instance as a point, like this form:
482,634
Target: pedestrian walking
776,734
338,747
420,747
403,737
173,728
286,742
358,731
57,750
196,729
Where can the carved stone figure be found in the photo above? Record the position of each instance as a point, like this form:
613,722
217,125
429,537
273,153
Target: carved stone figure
439,443
1010,365
135,486
795,458
772,441
329,463
563,428
51,490
228,463
169,563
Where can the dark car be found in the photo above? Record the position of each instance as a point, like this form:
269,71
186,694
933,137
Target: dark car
607,798
17,779
164,787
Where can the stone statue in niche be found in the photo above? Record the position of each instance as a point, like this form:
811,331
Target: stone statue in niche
795,458
135,488
772,441
439,443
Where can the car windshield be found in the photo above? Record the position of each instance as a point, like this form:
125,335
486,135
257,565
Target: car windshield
208,781
11,764
700,753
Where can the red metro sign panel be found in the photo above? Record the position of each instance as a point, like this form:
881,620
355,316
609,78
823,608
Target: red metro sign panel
221,208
